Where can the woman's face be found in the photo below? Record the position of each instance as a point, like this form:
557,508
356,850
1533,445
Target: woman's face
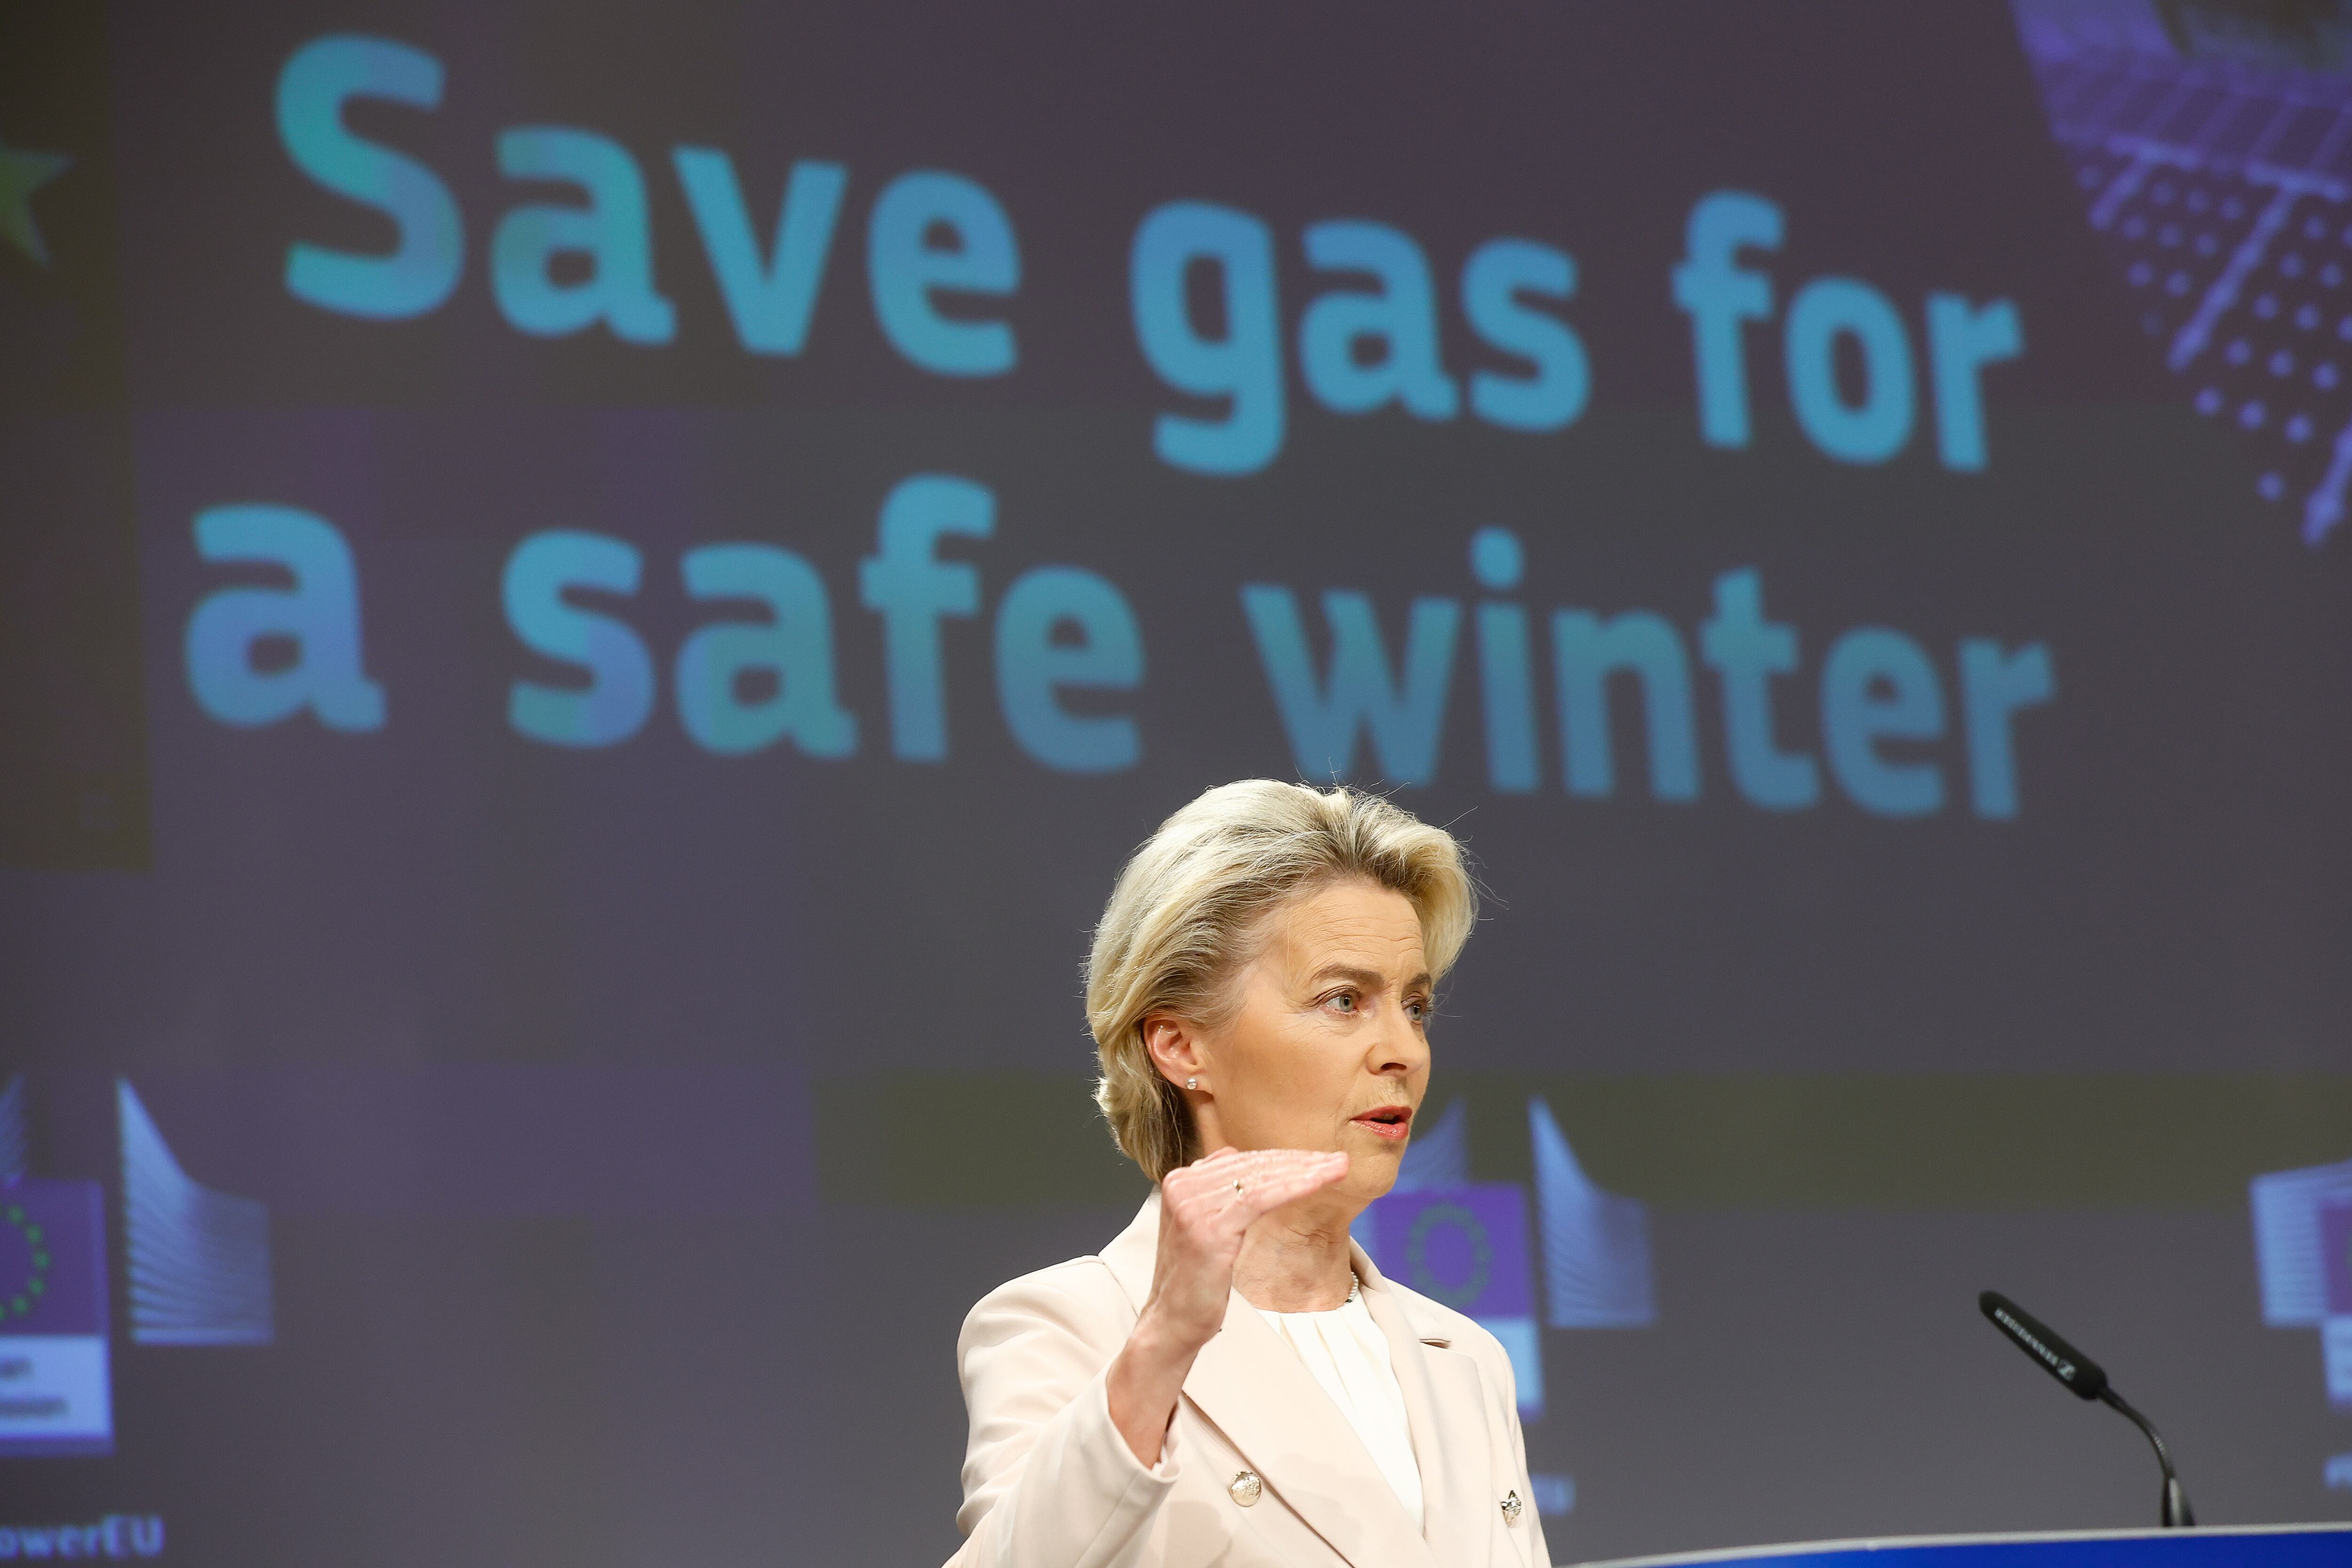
1329,1048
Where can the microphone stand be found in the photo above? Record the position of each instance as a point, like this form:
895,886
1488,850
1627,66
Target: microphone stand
2174,1506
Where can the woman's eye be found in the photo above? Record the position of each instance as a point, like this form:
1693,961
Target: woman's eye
1417,1010
1345,1002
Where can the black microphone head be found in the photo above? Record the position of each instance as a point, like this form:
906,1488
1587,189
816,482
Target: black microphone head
2062,1360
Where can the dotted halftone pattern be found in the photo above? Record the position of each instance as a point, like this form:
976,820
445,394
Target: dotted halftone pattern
2223,191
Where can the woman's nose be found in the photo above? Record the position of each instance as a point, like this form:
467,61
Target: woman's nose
1401,1046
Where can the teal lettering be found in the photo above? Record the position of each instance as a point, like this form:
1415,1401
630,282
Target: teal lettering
1505,684
770,301
1103,651
319,615
611,231
1747,651
1718,295
1586,651
1322,719
1492,280
619,695
910,588
1994,686
1961,341
424,266
1875,429
903,268
1401,318
794,645
1879,684
1244,364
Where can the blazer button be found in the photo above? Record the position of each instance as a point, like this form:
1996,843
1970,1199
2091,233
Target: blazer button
1512,1506
1246,1488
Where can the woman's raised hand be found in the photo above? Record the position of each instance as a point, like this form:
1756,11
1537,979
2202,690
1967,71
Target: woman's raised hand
1205,1210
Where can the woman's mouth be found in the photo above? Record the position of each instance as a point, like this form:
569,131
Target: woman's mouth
1393,1123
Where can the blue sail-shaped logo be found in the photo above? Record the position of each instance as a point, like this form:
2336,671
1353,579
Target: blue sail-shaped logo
199,1259
1596,1244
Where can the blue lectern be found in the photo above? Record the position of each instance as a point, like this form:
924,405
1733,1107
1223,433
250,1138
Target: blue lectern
2260,1546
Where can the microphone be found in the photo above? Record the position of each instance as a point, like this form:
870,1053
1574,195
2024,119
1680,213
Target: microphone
2085,1380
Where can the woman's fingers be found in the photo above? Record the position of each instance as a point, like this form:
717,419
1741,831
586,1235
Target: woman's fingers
1283,1167
1207,1208
1226,1191
1248,1157
1272,1192
1229,1164
1250,1169
1219,1165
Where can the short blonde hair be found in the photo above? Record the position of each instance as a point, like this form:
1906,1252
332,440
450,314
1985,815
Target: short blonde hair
1190,908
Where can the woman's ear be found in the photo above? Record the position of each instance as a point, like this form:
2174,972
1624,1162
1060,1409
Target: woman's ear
1175,1050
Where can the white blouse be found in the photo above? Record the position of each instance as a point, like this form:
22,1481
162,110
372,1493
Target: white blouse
1350,1357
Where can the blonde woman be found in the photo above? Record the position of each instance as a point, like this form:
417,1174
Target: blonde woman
1231,1381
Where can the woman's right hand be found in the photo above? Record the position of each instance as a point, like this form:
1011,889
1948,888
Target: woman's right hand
1205,1210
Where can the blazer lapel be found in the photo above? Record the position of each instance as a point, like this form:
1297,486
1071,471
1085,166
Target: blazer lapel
1269,1406
1447,1409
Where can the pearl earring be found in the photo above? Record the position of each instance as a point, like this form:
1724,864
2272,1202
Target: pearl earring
1192,1083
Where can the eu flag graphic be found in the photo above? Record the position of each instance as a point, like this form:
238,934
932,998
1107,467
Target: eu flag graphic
55,1395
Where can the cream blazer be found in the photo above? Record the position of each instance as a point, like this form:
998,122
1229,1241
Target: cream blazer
1049,1483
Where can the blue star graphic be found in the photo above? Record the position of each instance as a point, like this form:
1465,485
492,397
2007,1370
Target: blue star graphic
22,174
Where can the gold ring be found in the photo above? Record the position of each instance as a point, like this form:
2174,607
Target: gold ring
1237,1186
